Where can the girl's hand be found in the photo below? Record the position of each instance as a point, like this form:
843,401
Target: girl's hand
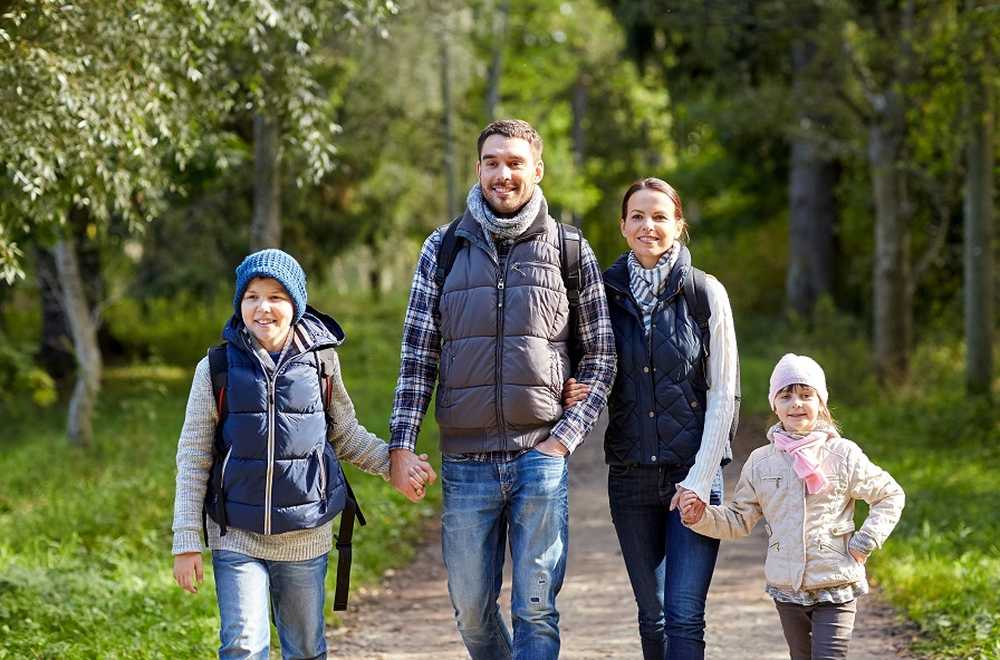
692,508
188,571
858,557
574,392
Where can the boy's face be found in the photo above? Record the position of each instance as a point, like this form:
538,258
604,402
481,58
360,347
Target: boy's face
797,407
267,312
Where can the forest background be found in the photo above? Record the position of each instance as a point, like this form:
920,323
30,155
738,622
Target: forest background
836,158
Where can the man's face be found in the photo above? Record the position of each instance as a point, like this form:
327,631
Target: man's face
508,172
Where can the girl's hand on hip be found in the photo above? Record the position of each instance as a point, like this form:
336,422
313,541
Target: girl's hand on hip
189,571
858,557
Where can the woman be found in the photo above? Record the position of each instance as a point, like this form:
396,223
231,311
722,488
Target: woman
670,413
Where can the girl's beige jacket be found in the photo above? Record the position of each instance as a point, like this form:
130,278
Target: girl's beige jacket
807,548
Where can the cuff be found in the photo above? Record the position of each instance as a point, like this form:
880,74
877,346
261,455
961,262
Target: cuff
403,439
863,543
568,444
186,540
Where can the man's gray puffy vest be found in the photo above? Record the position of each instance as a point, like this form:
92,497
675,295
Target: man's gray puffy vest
277,471
657,405
504,332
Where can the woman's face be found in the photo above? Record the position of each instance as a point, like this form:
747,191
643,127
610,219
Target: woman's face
650,227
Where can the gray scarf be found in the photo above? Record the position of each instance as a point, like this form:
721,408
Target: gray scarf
509,228
647,284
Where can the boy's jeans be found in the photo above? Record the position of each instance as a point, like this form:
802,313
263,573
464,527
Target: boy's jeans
247,588
483,503
670,566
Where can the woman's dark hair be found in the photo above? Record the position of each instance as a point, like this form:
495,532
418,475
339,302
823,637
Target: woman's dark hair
659,185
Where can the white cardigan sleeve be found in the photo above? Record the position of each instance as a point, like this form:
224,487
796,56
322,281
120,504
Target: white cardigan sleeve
722,375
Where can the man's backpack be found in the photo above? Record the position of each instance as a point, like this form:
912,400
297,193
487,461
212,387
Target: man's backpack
697,303
218,363
570,241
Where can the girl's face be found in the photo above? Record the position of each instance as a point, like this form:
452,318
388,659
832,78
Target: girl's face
650,226
798,408
267,312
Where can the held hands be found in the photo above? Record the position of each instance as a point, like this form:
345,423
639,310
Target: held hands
574,392
189,571
410,474
691,506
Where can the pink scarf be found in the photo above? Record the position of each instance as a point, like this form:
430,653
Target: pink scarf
804,450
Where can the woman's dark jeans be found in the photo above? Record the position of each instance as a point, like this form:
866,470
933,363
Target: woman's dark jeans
670,566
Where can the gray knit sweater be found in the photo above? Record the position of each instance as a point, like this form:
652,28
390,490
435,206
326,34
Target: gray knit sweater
351,441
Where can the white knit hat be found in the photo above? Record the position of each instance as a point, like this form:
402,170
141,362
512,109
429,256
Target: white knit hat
795,369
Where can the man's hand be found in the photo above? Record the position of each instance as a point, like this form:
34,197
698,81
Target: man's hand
188,571
574,392
552,447
410,473
692,508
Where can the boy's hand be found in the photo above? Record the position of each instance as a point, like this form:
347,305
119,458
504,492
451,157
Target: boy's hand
410,473
188,571
574,392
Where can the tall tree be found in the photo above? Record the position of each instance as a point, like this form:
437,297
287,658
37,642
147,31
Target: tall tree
979,194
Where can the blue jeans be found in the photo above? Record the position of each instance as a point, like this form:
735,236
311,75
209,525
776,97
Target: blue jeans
670,566
483,504
247,590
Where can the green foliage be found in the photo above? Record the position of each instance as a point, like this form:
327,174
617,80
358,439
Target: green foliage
85,568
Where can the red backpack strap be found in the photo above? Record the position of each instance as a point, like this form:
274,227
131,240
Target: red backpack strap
218,364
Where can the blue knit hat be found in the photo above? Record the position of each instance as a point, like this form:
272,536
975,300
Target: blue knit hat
278,265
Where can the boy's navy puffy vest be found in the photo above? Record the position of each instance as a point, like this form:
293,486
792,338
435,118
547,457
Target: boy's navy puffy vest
275,471
657,404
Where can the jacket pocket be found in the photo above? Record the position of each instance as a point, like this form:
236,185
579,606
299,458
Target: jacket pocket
222,472
322,472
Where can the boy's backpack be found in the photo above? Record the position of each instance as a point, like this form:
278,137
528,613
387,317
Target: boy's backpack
697,303
218,362
570,240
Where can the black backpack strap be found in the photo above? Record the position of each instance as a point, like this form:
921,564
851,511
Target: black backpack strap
570,240
697,303
451,243
218,364
344,537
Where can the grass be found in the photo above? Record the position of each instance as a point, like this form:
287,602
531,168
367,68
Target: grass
941,566
85,565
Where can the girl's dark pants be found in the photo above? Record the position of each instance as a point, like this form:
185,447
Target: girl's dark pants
670,566
817,632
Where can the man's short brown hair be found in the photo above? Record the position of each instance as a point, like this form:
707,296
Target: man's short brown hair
513,128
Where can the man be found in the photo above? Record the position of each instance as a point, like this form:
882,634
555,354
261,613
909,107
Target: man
495,337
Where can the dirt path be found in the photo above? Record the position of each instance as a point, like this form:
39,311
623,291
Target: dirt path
409,616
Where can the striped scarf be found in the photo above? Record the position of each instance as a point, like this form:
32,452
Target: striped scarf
647,283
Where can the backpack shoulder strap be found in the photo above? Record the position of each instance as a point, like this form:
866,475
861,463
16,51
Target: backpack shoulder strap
570,240
697,302
326,363
447,251
218,364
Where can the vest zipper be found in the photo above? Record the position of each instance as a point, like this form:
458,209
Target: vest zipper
501,296
270,454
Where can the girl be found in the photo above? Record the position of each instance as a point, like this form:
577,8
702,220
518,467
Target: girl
270,478
804,483
671,409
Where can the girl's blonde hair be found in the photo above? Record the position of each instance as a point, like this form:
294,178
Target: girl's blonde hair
824,411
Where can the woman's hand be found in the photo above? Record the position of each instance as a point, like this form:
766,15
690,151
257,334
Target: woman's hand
574,392
188,571
691,506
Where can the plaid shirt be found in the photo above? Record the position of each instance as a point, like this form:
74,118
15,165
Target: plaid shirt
421,353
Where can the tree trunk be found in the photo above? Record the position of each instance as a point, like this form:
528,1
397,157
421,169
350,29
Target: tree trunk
812,209
978,248
893,310
265,229
447,116
579,104
55,348
83,330
496,65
